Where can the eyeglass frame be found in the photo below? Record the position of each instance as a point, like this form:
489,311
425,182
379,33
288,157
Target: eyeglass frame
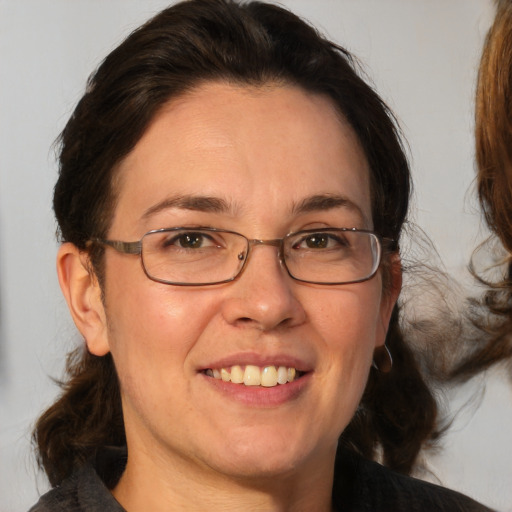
136,248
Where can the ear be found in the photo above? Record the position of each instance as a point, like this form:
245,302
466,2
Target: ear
389,297
81,289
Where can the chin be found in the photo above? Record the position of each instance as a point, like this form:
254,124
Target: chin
265,457
259,468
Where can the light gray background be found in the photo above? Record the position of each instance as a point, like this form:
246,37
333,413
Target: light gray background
422,56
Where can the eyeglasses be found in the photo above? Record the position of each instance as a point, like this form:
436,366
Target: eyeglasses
205,256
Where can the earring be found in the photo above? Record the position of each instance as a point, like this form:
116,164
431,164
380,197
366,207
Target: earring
382,359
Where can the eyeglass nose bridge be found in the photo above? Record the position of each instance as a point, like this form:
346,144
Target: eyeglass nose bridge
275,242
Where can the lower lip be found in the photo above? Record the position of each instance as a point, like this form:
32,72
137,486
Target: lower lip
259,396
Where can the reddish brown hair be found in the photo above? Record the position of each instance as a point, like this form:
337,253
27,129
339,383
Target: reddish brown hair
493,136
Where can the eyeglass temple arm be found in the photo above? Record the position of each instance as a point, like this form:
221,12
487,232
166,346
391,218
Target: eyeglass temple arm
124,247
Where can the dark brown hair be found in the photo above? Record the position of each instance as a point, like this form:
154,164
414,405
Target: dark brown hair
243,43
493,136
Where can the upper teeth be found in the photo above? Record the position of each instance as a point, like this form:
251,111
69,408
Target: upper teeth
267,376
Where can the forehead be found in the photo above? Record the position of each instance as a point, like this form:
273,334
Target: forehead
274,145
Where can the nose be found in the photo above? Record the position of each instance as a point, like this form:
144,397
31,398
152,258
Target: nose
263,297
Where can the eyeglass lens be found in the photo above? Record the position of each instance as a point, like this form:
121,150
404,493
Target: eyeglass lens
208,256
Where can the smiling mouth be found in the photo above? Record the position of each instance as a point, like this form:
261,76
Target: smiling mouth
251,375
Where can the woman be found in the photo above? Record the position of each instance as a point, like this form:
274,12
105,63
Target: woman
230,200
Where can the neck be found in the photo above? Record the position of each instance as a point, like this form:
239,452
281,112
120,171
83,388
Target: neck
157,484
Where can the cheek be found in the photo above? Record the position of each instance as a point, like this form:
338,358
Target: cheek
347,317
152,331
152,328
348,322
345,321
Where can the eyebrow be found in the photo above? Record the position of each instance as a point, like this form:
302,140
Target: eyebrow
323,202
190,202
211,204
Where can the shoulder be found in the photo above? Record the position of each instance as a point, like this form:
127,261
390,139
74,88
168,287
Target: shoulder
376,488
86,489
60,498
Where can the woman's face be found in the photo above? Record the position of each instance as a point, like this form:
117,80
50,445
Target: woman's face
262,157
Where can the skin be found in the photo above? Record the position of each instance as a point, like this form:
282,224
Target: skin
262,152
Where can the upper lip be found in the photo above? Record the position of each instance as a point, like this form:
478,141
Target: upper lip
258,359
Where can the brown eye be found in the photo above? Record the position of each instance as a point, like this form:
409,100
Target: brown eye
317,241
190,240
